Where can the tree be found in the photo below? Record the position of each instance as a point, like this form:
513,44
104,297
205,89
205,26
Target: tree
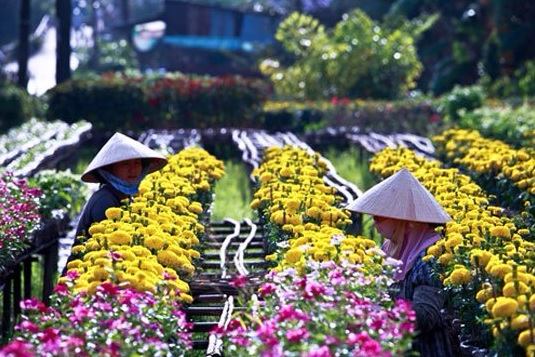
24,43
63,45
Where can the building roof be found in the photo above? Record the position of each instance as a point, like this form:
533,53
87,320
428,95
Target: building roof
246,7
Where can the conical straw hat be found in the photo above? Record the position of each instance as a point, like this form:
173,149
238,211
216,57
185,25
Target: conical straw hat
121,148
401,196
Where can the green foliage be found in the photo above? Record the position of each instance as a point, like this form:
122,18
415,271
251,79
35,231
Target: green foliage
114,55
15,106
60,191
352,165
417,115
232,194
526,79
520,84
357,58
461,99
513,125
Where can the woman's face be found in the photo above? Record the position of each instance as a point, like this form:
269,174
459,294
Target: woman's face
128,170
386,226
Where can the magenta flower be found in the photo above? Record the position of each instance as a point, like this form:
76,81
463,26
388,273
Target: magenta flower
28,326
17,348
239,281
296,335
267,289
266,333
322,351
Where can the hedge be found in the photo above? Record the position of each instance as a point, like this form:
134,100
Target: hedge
173,101
15,106
413,116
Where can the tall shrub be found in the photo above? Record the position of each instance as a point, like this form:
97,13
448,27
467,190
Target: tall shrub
357,58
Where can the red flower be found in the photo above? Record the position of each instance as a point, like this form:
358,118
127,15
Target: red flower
108,288
61,289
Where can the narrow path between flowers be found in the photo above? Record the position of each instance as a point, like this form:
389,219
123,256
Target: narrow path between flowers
233,253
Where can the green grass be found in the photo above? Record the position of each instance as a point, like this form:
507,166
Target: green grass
353,167
233,193
350,165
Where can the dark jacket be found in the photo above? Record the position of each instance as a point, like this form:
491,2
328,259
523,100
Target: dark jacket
95,208
425,292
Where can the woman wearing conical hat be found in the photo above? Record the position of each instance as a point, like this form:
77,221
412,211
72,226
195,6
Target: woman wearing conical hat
406,215
119,167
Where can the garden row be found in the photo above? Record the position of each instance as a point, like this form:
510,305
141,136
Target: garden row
123,289
326,281
485,258
122,102
36,144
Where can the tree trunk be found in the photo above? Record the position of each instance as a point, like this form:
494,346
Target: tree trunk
63,41
24,43
125,11
94,58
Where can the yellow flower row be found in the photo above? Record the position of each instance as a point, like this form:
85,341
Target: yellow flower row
468,148
293,196
148,243
478,243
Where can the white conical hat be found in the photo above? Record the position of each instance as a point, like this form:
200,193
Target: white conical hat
401,196
121,148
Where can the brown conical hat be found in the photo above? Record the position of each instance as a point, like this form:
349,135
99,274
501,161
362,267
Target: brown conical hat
121,148
401,196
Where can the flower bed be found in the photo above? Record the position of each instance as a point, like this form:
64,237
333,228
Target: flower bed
122,293
149,244
19,139
503,170
112,322
301,211
329,288
31,160
483,259
333,310
19,216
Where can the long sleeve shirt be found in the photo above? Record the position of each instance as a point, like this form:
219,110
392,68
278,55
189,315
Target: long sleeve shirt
424,290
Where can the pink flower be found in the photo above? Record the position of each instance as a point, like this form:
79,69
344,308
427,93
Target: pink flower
28,326
234,325
360,338
51,340
288,312
33,304
323,351
75,341
434,118
239,281
267,289
266,333
17,348
115,256
377,324
108,288
313,290
61,289
296,335
371,347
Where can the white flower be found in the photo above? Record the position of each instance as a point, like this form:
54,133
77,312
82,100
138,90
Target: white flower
376,251
337,239
284,244
393,262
